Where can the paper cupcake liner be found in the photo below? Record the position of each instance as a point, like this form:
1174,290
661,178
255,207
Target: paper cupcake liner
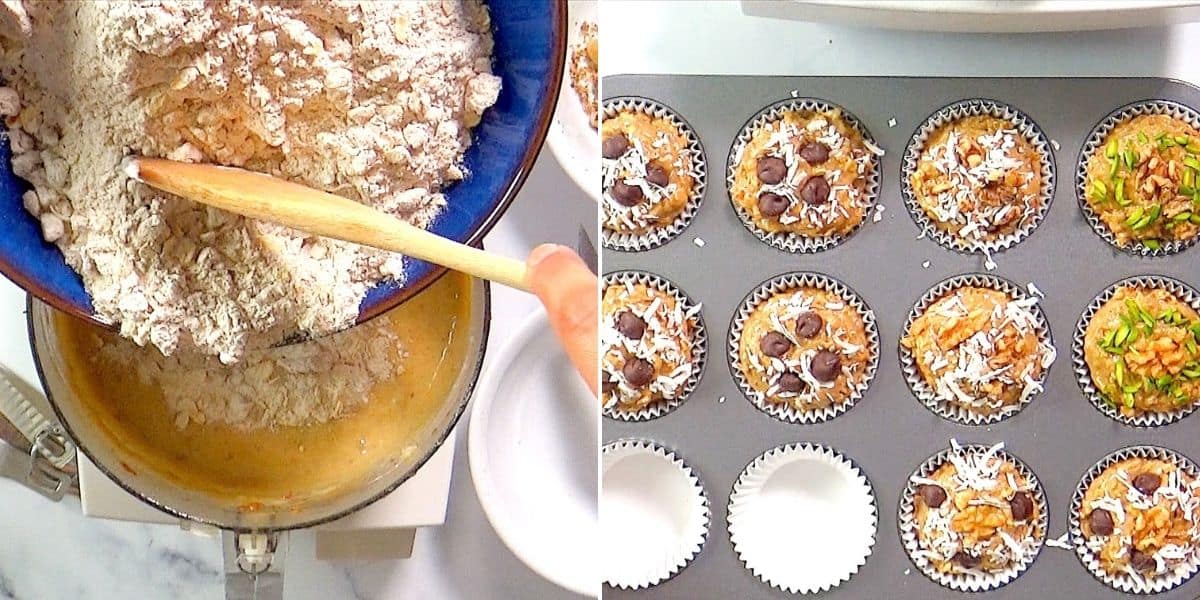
699,348
1084,375
754,524
1091,562
970,108
788,282
907,523
908,364
1092,145
662,233
693,533
795,242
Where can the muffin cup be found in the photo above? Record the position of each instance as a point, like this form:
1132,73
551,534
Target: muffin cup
657,235
1125,583
659,478
788,282
972,108
907,522
795,242
1092,144
789,483
908,364
1084,375
699,348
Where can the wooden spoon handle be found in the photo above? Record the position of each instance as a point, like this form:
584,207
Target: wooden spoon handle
267,198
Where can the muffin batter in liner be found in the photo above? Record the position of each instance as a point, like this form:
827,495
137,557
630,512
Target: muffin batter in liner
699,346
795,242
907,521
1084,374
1092,145
686,498
661,233
827,486
786,283
948,115
1127,583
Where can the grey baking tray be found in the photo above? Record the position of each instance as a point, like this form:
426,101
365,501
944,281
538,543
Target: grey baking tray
888,433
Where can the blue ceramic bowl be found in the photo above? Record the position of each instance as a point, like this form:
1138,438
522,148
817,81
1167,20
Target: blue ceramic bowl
529,55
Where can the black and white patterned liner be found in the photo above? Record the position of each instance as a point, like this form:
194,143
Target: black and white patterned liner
971,108
755,476
1092,145
658,235
908,364
907,523
794,242
1091,562
785,283
699,347
694,546
1083,374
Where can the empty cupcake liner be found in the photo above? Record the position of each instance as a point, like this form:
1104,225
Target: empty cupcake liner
1083,374
802,518
795,242
643,547
662,233
971,108
699,348
785,283
907,523
1092,145
908,364
1126,583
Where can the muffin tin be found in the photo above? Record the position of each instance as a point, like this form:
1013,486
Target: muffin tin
889,433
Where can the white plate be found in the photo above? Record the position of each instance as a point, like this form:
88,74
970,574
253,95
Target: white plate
571,138
533,444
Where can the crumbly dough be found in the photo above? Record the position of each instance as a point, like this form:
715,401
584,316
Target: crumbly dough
585,75
652,141
666,345
1148,360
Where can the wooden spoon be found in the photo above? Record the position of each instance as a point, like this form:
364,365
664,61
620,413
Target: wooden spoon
268,198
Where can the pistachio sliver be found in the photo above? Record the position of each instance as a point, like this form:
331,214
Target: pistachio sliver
1128,400
1131,158
1135,215
1119,372
1195,219
1181,217
1193,147
1111,150
1142,137
1122,335
1182,140
1192,163
1152,244
1119,190
1167,142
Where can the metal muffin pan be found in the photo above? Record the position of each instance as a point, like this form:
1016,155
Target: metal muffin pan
1060,435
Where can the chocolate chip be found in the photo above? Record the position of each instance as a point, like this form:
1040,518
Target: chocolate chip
1021,506
826,366
771,170
814,153
614,146
1142,561
772,205
933,495
809,324
627,195
791,382
638,372
631,325
657,175
815,190
966,560
608,386
1146,483
1101,522
774,344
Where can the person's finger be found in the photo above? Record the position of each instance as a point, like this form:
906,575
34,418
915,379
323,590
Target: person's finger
570,293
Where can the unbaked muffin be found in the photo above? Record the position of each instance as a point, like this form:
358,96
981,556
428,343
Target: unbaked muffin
1142,349
1142,181
647,165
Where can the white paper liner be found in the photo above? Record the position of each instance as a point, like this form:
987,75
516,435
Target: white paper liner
1092,145
662,233
654,514
953,112
796,242
699,347
785,283
802,518
1083,374
1091,562
908,364
907,523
